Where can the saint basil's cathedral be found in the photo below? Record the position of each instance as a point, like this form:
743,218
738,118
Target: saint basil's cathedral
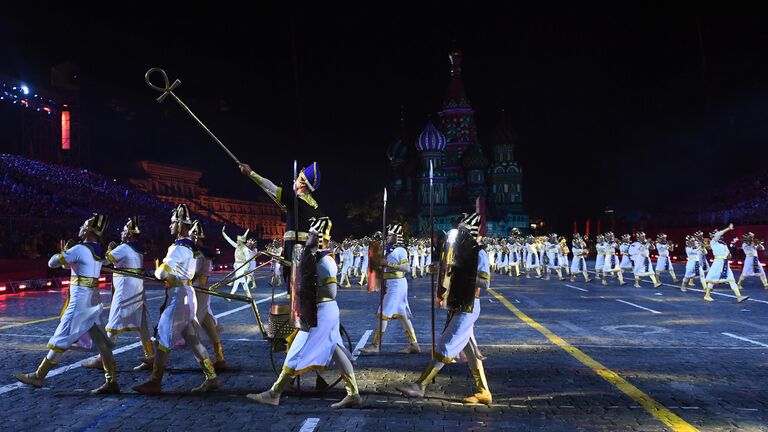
462,172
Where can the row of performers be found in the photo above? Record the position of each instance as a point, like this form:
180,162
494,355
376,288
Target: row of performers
316,344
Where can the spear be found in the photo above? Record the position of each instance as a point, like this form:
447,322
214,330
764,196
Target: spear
431,250
383,254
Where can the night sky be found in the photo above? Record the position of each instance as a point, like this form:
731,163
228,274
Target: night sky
626,106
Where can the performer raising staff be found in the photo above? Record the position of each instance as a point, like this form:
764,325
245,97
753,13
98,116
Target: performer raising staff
470,274
307,182
395,304
204,262
128,312
720,270
318,342
81,315
242,253
178,321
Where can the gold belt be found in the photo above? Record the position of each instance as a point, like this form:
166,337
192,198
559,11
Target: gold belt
201,281
394,275
325,299
174,283
84,281
610,253
722,257
291,235
127,270
752,254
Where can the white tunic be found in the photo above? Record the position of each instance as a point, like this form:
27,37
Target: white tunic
643,265
752,265
578,263
396,294
600,258
460,330
693,263
181,309
313,349
720,270
532,258
83,307
611,262
626,261
553,255
129,300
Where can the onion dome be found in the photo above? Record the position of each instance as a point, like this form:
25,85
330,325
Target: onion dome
473,159
430,139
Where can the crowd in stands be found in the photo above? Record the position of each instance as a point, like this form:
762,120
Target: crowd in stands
43,204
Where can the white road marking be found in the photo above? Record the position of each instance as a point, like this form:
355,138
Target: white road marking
58,371
638,306
309,424
744,339
360,344
576,288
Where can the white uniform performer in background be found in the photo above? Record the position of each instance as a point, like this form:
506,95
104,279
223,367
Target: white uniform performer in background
178,322
600,257
502,261
626,261
693,263
563,252
702,252
242,253
364,261
128,311
579,261
396,293
553,257
515,255
80,325
427,252
356,257
642,259
611,265
346,263
277,267
413,254
459,334
532,262
664,262
318,343
253,250
752,266
720,271
204,263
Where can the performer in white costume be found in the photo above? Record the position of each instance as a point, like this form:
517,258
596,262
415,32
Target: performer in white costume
532,262
80,324
720,271
579,263
642,260
752,266
693,268
178,323
242,253
664,261
611,265
626,261
395,303
318,342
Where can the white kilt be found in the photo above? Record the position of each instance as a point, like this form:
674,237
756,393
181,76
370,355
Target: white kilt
626,262
611,263
599,261
314,349
643,266
128,305
179,313
720,272
81,312
693,269
752,267
663,263
204,307
578,265
532,260
563,261
457,334
395,300
554,260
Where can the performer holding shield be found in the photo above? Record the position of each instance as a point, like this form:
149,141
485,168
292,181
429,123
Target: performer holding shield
465,273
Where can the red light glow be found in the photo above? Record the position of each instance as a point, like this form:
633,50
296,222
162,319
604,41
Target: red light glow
65,144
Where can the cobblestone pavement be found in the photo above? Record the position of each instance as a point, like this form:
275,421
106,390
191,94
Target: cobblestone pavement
703,364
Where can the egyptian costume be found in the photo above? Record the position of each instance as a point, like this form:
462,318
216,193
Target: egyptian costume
242,256
720,270
664,261
204,314
752,266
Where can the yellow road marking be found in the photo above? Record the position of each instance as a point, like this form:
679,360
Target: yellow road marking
5,327
654,408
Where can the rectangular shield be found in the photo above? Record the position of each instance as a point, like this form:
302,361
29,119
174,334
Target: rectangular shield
375,272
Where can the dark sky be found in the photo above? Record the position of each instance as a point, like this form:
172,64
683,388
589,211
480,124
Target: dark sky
622,105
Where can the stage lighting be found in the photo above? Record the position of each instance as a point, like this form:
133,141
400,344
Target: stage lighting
24,89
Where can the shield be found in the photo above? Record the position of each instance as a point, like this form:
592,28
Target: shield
375,272
304,289
458,271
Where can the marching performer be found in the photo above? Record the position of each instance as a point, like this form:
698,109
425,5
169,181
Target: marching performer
178,322
128,312
664,262
491,251
752,266
600,257
356,252
364,261
552,246
503,260
693,263
318,342
579,262
720,271
642,259
470,275
611,265
516,252
427,252
395,303
626,260
80,325
532,262
253,250
413,254
203,265
242,254
563,252
276,249
307,181
703,252
346,263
